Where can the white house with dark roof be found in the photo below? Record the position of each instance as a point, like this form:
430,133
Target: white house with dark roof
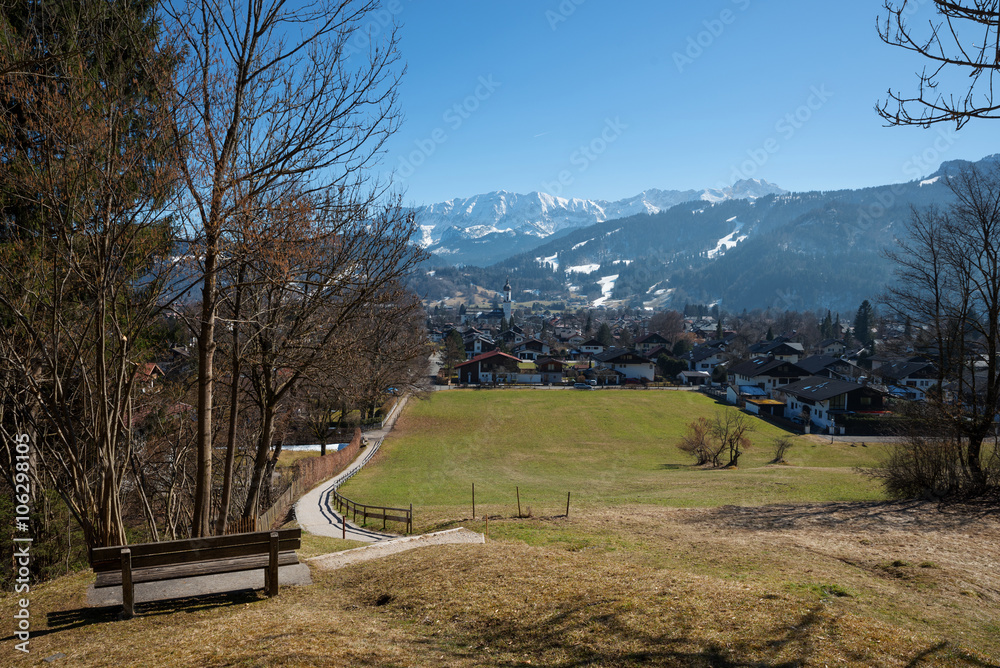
627,362
765,373
819,400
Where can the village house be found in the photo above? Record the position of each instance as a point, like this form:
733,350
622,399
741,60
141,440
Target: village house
909,379
488,368
629,363
532,349
833,347
780,349
818,400
647,343
764,373
591,347
550,370
831,367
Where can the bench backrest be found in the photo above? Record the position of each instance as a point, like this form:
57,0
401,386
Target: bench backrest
146,555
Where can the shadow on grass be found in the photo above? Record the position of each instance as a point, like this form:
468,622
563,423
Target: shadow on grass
65,620
787,646
916,515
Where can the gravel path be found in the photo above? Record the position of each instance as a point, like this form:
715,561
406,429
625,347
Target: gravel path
330,562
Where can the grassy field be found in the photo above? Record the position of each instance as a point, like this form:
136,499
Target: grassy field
659,563
605,448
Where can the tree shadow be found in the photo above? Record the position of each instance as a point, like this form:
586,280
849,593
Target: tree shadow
916,515
66,620
781,647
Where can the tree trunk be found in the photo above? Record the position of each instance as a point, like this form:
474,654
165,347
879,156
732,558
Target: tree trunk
206,354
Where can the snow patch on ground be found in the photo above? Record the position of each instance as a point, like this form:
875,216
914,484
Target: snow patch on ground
581,244
607,284
928,182
728,241
552,260
584,268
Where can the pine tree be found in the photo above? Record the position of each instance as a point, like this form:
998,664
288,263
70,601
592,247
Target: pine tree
770,335
863,322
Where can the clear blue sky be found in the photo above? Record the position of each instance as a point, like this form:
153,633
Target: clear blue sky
504,94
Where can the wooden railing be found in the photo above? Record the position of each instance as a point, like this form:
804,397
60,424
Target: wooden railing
348,507
309,472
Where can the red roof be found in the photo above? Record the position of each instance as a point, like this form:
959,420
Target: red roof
485,356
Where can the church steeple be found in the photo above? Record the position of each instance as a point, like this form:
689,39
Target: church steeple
507,300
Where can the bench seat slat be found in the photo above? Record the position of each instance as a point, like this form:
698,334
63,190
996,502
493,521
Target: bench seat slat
103,554
204,554
191,569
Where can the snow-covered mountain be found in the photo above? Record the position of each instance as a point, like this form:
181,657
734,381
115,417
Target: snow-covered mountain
488,228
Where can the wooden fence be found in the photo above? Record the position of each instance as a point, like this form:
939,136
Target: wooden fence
307,474
347,507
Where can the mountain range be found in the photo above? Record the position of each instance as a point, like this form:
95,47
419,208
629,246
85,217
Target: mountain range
488,228
753,246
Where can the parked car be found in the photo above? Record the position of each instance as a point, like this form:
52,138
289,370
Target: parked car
582,386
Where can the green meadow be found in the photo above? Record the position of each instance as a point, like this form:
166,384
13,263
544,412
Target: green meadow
605,448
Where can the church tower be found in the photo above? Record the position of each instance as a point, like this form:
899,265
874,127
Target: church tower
508,304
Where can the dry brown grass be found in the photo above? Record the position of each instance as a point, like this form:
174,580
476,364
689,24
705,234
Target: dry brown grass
856,584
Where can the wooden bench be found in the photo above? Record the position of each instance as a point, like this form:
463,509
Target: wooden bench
128,565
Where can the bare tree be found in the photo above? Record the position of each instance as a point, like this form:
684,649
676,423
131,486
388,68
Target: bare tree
962,46
270,107
949,284
700,443
83,248
732,429
780,448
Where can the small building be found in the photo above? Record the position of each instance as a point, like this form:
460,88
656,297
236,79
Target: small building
833,347
489,368
820,400
765,373
645,344
532,349
689,377
591,347
550,370
629,363
784,350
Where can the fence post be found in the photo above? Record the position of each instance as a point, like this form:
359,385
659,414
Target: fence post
473,500
409,521
517,490
567,504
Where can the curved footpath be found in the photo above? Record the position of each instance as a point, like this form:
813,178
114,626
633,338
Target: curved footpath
315,514
314,511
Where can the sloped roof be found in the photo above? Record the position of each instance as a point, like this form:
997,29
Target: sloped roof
762,366
816,363
615,353
486,356
899,370
819,388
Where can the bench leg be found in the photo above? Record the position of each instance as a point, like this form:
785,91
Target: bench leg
271,578
128,591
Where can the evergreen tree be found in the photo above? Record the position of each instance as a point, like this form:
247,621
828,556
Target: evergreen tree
770,335
826,328
863,322
604,336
